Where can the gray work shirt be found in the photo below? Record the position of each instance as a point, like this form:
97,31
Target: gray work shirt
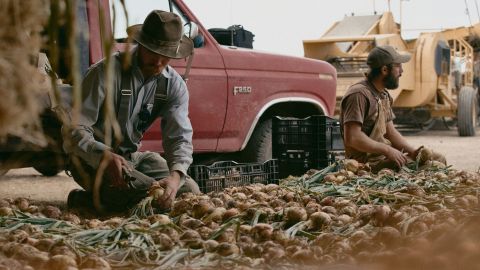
88,137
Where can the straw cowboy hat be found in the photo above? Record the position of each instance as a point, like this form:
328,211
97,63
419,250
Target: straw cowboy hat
162,33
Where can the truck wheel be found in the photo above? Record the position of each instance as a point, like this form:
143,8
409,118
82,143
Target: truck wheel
467,111
259,148
47,170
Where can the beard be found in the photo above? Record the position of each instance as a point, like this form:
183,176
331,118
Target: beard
390,82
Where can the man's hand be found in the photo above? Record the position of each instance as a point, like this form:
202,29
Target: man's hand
171,184
114,169
396,156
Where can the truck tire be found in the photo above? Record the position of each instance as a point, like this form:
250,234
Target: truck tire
47,170
259,147
467,111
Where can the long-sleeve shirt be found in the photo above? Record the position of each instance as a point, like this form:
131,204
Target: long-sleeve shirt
88,136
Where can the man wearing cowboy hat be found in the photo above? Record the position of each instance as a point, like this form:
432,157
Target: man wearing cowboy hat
366,115
137,92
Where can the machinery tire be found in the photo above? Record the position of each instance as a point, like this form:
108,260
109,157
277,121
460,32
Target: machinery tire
47,170
259,148
467,111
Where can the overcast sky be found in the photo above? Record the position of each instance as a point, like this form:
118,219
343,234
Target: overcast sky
281,25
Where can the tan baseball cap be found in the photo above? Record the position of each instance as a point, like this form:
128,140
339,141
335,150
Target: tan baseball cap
385,55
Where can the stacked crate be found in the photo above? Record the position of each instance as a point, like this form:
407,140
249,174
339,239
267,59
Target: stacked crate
302,144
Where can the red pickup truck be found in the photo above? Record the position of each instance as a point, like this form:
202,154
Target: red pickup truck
234,92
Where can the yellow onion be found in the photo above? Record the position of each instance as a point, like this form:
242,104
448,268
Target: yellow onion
351,165
62,262
228,214
160,219
163,241
201,208
52,212
330,178
381,214
319,219
227,249
44,244
388,235
95,262
210,245
227,236
205,232
191,223
273,254
216,215
6,211
22,204
262,232
294,215
72,218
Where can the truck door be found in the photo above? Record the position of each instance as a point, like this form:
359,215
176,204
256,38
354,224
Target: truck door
206,84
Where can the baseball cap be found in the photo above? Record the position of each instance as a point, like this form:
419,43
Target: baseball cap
385,55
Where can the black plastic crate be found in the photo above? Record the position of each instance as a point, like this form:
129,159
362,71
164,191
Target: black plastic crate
224,174
302,144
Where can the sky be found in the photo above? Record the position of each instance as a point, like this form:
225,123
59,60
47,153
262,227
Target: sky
280,25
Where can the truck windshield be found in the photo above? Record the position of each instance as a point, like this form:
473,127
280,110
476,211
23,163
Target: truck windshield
137,14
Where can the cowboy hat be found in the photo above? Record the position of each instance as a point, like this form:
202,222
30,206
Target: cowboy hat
162,33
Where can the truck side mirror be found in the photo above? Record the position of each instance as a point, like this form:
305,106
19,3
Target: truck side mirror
191,31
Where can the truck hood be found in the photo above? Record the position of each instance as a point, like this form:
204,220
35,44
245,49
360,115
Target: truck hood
248,59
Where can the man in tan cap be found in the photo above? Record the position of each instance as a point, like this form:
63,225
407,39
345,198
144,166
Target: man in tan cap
366,115
149,88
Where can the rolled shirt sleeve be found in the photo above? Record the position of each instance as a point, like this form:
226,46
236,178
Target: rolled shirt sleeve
176,127
82,140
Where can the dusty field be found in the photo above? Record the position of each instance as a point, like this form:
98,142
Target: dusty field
461,152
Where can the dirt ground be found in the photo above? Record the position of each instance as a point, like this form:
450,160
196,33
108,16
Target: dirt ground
461,152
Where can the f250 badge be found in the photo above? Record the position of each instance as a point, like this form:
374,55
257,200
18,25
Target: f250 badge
242,90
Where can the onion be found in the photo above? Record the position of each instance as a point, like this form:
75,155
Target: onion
62,262
44,244
217,202
228,214
180,207
201,209
262,232
6,211
210,245
22,204
227,249
273,254
52,212
351,165
319,219
95,262
217,214
72,218
329,210
330,178
191,223
4,203
160,219
381,214
204,232
227,236
163,241
293,215
388,235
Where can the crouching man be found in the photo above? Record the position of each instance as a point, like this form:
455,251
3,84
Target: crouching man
148,89
366,115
